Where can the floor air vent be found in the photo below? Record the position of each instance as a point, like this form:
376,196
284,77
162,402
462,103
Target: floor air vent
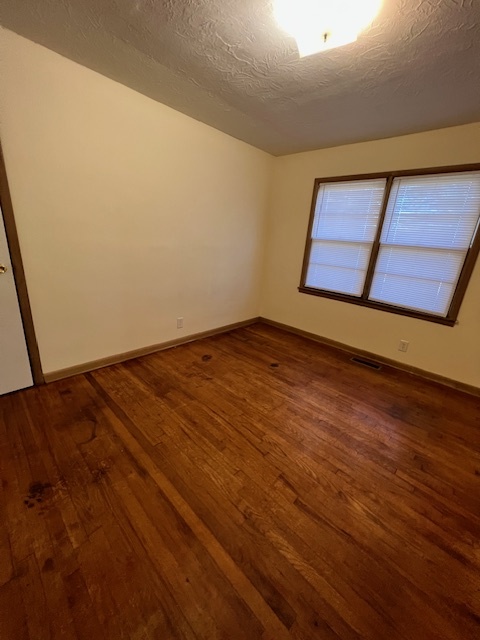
366,363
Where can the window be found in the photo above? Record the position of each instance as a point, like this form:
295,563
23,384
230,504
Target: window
404,242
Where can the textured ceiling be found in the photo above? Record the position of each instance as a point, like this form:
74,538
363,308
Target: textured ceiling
226,63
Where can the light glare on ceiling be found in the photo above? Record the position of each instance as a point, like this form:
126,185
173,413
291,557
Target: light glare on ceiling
318,25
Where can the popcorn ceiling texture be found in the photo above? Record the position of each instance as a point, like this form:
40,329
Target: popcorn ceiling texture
226,63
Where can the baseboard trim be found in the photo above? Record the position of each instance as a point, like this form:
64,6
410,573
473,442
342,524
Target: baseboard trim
53,376
427,375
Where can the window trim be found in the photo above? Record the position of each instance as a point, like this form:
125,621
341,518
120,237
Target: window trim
465,274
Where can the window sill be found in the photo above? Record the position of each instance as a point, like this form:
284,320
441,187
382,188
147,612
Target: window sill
449,322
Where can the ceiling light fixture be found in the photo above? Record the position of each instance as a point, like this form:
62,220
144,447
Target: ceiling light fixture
318,25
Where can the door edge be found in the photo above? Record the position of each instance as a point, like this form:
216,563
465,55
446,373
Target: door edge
19,274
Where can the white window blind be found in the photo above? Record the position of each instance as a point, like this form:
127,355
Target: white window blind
429,226
344,228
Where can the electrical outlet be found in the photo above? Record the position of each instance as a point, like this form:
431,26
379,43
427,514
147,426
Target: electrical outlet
179,323
403,346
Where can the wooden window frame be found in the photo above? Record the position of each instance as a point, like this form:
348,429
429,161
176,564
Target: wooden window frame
470,259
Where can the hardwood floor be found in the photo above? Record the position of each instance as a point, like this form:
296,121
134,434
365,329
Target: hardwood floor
253,485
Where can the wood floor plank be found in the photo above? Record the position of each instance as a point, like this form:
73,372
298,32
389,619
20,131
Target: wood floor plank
34,601
16,480
251,485
13,621
6,559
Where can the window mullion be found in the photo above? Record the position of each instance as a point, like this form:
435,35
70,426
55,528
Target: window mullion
465,274
376,242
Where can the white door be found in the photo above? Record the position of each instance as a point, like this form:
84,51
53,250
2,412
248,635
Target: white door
15,372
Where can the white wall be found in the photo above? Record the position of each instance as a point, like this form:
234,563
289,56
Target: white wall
453,352
129,213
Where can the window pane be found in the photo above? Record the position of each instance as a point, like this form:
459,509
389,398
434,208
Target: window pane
429,226
340,279
338,266
433,211
348,210
420,279
413,293
344,227
430,264
341,254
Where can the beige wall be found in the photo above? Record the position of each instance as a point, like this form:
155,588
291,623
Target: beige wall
449,351
129,213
